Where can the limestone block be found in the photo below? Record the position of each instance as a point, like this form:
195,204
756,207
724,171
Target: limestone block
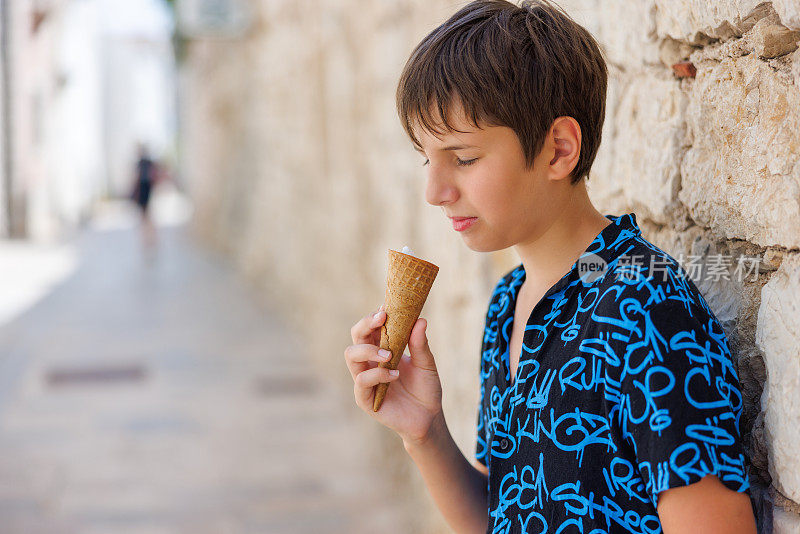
625,30
672,51
772,40
773,258
789,12
702,22
648,139
778,336
784,522
741,175
605,192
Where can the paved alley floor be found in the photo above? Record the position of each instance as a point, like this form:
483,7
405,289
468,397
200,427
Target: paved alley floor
157,396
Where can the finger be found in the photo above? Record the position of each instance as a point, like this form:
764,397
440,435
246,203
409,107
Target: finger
362,331
358,357
418,346
365,382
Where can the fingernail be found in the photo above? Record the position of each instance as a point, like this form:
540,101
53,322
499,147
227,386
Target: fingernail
394,372
384,354
376,315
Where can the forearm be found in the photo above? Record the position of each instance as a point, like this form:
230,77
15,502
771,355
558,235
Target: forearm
457,487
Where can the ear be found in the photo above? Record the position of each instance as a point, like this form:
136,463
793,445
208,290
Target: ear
565,139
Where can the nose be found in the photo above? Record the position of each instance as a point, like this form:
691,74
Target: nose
439,188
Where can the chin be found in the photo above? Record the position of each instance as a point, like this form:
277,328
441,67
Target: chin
479,246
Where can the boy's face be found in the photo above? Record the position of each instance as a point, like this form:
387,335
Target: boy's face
485,177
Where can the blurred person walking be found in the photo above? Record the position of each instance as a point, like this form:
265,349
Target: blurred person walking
148,174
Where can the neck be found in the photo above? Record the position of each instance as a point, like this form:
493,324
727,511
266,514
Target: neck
550,254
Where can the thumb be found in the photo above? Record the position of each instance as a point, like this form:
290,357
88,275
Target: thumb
421,355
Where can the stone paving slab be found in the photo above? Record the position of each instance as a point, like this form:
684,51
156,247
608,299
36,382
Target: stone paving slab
151,397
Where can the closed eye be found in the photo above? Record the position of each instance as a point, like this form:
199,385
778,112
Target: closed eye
459,162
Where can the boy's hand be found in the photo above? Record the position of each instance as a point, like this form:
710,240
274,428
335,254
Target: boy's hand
414,397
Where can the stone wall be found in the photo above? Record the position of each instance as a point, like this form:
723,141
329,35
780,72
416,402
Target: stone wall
302,173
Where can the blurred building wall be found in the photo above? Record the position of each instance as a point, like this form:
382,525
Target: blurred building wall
46,194
48,175
80,89
4,124
301,172
29,90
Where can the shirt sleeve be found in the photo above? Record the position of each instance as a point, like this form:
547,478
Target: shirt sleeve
679,399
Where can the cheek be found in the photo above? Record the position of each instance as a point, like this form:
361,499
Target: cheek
498,198
495,204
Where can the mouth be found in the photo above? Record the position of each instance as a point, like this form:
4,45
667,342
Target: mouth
462,223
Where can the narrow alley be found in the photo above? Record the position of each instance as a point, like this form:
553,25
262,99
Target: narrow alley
158,396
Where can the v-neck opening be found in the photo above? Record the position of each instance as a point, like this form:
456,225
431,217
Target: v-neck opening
519,275
513,380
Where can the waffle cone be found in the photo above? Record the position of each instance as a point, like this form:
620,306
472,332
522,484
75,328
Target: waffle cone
408,281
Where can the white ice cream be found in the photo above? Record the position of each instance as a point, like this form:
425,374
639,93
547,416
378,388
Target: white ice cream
408,251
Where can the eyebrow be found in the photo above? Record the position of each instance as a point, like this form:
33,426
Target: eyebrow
451,147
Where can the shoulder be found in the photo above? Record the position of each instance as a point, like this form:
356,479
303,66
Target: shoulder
671,386
656,327
645,277
648,307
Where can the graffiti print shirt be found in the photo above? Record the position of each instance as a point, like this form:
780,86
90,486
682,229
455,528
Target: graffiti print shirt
625,387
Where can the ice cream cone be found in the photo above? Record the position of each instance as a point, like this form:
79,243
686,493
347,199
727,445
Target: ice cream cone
408,282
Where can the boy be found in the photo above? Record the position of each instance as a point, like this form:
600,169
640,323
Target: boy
609,401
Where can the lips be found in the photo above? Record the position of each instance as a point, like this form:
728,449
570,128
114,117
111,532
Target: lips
462,223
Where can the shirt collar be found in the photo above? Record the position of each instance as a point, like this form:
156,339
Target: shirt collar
608,245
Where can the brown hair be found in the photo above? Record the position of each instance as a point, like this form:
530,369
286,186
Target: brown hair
516,66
